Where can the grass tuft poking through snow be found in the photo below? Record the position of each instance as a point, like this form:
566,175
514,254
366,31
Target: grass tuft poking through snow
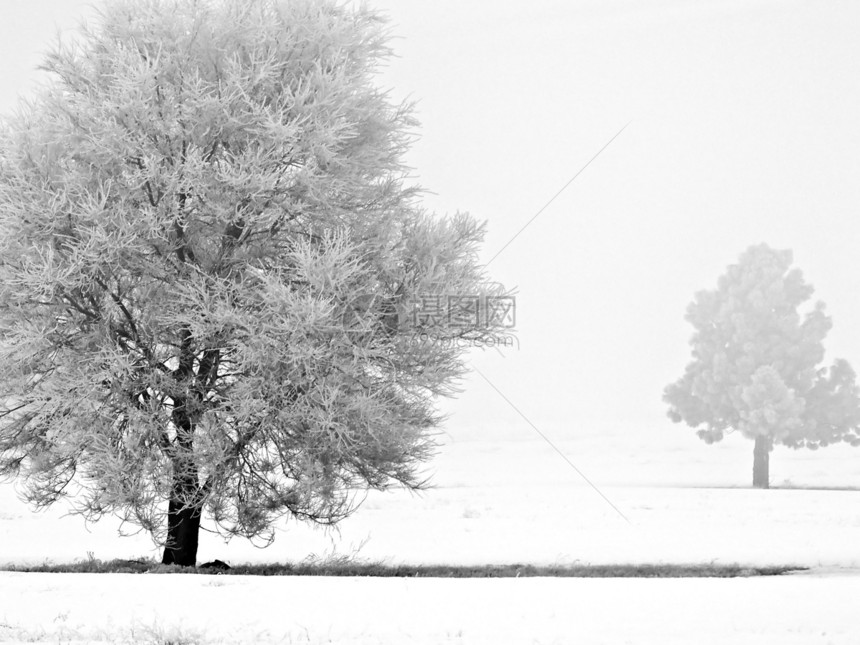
380,570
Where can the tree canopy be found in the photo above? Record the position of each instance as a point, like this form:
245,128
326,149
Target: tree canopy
209,262
756,361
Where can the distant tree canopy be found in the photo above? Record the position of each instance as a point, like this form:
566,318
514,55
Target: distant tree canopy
756,361
208,266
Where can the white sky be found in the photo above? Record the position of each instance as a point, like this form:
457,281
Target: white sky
743,129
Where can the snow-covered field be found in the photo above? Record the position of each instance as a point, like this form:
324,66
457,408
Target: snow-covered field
797,610
494,502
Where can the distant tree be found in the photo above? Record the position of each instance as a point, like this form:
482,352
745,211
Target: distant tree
209,260
755,364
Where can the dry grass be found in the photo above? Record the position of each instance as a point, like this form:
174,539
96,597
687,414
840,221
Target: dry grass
380,570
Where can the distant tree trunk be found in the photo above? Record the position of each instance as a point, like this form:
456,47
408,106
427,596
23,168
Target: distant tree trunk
761,462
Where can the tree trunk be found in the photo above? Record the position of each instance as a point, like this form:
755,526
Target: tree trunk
761,462
186,498
183,528
183,514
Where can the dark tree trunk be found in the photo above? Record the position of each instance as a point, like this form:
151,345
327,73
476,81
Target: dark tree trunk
761,462
186,497
183,528
183,512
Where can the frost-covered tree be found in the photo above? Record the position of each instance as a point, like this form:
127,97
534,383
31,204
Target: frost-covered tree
209,259
756,364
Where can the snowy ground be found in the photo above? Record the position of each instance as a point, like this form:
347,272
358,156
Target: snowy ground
502,502
798,610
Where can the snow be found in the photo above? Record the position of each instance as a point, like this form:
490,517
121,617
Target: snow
736,138
493,502
800,609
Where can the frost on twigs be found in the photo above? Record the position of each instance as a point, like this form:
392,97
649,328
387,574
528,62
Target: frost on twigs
209,256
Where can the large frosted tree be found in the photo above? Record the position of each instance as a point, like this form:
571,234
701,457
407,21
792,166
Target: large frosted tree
756,364
209,263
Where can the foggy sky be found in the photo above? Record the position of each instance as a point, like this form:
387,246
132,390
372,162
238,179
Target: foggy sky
742,129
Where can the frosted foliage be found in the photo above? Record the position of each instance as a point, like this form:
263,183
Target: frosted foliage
756,359
771,408
209,258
